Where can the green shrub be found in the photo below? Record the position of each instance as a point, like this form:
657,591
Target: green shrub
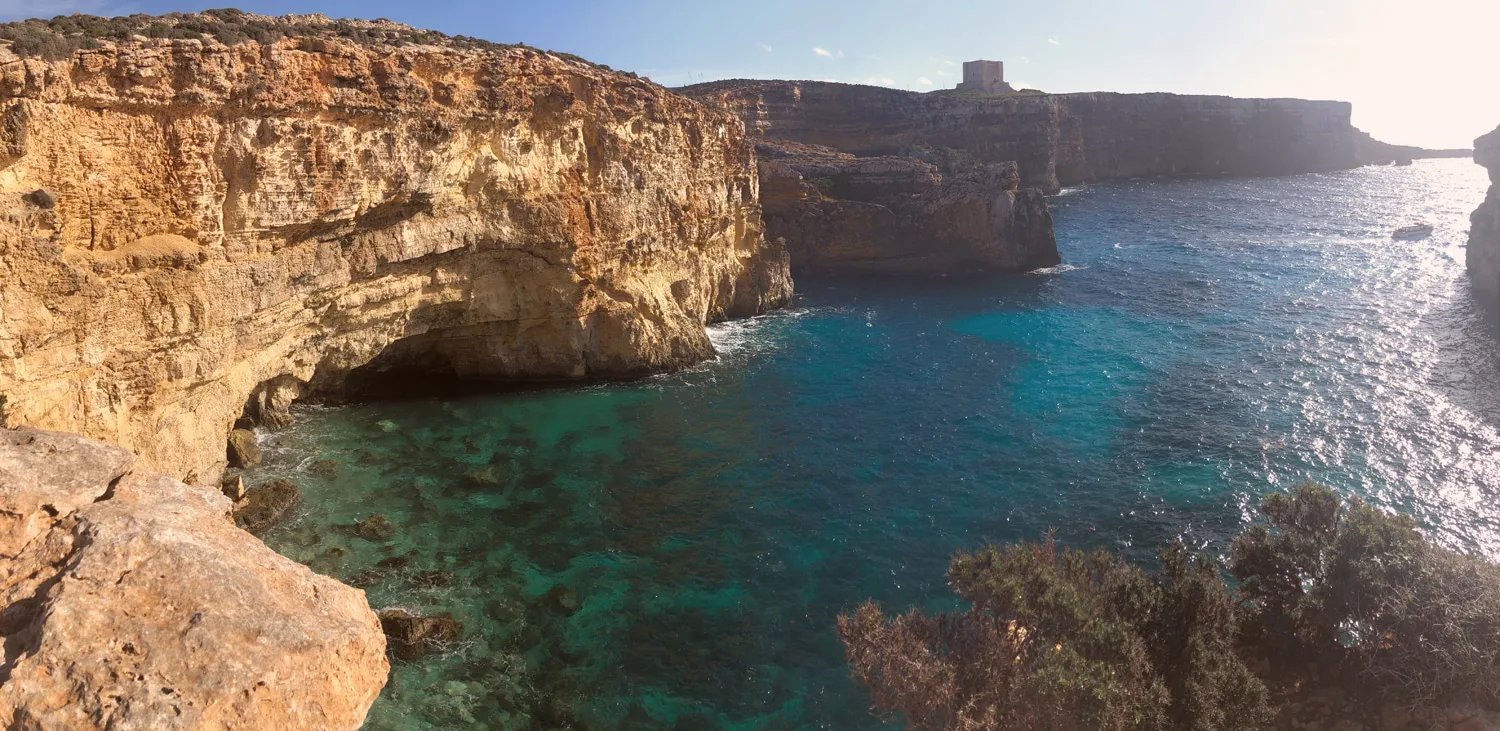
1061,639
1330,592
3,412
1343,583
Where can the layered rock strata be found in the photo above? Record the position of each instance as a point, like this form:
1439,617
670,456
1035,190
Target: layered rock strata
840,213
1056,139
1484,233
130,600
191,231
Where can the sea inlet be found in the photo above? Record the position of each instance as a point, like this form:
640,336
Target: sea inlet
671,553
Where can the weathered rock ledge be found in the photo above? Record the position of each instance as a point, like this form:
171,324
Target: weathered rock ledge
840,213
130,600
186,227
1484,233
1058,139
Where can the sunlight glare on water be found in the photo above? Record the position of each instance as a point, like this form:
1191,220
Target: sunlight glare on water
671,553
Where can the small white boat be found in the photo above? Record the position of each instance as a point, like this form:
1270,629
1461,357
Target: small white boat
1416,230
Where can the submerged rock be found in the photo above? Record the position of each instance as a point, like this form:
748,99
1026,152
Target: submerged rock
413,636
482,477
393,563
325,468
243,452
566,599
127,600
264,506
375,528
435,579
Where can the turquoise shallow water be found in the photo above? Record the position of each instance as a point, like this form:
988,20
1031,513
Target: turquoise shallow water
671,553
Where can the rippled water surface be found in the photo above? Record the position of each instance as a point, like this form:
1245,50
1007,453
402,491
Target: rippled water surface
672,553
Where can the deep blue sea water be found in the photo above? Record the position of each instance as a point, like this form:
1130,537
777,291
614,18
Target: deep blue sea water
671,553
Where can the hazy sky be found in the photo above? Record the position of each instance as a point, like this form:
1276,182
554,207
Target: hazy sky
1418,71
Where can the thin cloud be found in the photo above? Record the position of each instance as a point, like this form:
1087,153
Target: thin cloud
924,81
765,47
943,61
1025,61
879,81
941,72
825,53
1054,41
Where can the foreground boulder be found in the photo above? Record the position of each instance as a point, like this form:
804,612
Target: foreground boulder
1484,233
130,600
837,212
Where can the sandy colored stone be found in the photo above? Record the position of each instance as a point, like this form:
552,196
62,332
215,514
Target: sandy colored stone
243,452
230,217
134,602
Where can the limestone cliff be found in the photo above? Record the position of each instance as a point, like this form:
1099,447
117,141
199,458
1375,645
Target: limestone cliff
1056,139
185,224
1372,151
129,600
1484,233
840,213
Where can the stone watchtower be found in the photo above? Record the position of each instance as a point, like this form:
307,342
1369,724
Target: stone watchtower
985,77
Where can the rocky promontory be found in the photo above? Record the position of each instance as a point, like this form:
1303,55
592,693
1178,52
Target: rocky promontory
1055,139
841,213
1484,233
207,223
129,600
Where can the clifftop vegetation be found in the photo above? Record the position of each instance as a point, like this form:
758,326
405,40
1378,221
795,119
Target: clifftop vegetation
1332,599
60,37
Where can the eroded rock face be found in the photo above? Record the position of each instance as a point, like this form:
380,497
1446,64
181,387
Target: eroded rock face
1056,139
1484,233
229,225
130,600
840,213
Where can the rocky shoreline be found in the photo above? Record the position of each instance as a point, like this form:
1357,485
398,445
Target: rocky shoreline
196,233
